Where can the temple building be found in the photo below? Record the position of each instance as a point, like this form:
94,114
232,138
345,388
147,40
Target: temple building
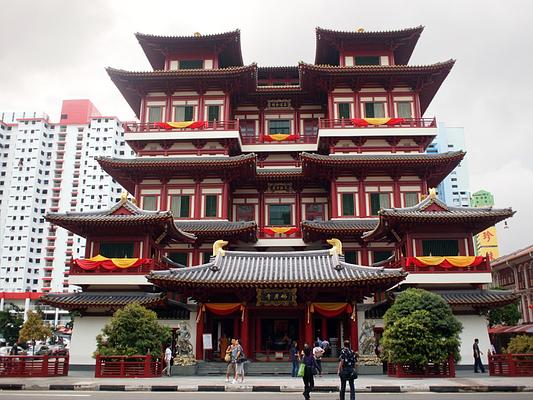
278,203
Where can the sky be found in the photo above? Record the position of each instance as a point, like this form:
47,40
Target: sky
58,49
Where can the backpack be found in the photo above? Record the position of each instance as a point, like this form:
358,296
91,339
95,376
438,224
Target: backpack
242,356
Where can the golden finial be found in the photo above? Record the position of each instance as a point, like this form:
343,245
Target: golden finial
197,34
218,248
360,30
133,201
432,193
337,246
123,197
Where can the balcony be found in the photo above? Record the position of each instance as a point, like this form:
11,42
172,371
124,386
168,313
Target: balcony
143,269
358,123
135,127
414,265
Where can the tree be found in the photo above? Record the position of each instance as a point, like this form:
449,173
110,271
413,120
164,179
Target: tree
506,315
521,344
133,330
34,329
10,323
420,328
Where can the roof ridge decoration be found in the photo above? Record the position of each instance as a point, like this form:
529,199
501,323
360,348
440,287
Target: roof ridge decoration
196,35
362,31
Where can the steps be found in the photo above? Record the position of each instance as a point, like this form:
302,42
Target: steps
258,368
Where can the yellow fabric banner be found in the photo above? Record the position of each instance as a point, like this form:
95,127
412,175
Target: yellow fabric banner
377,121
456,261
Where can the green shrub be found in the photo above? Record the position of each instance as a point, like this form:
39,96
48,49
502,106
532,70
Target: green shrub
133,330
420,328
521,344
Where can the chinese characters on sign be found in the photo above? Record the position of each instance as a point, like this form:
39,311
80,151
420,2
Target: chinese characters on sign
279,104
276,297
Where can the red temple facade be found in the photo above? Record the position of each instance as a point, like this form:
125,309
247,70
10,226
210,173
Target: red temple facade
279,202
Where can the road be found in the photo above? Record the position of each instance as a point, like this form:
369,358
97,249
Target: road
255,396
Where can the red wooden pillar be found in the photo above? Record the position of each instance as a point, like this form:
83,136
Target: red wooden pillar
308,330
416,96
334,199
354,332
324,329
261,216
298,207
227,107
396,192
201,106
245,332
168,108
362,197
199,336
163,206
261,124
258,343
331,111
356,104
225,199
197,198
390,104
425,189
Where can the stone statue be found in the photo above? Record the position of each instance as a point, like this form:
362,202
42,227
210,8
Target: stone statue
367,340
184,354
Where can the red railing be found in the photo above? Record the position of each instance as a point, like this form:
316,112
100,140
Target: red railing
429,269
258,139
35,366
406,123
511,364
142,269
127,367
137,127
441,370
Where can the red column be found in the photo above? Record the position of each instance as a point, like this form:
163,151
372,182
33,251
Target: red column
197,198
308,330
163,206
357,104
142,114
168,108
261,124
324,329
390,104
261,216
364,256
416,96
298,208
227,107
225,200
354,333
258,343
396,193
245,332
362,198
334,199
199,336
201,106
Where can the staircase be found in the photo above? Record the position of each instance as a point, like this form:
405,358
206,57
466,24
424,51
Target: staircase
259,368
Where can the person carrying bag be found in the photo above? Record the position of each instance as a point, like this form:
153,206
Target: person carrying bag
347,370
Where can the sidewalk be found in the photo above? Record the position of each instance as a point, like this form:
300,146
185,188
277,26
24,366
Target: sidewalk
78,380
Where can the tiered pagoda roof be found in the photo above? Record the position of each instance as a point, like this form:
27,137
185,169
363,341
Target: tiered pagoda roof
227,45
122,218
402,42
345,228
433,166
212,230
433,212
291,269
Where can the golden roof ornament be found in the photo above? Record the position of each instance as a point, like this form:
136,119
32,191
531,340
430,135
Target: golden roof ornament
433,193
218,248
197,34
123,197
337,246
360,30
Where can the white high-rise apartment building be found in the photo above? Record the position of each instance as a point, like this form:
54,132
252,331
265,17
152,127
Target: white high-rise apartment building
50,167
454,190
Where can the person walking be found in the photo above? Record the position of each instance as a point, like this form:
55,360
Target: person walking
347,370
310,367
295,359
318,352
478,365
168,361
230,370
239,362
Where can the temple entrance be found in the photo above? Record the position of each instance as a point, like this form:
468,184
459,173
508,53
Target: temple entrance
278,334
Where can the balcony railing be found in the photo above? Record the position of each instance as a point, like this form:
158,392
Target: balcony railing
136,127
409,266
349,123
151,265
292,139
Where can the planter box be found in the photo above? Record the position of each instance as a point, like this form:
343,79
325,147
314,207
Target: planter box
41,366
370,369
511,365
188,370
443,370
127,367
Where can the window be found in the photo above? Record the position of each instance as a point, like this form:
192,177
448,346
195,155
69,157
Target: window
411,199
348,204
211,205
374,110
247,128
378,201
213,113
440,247
310,127
155,114
344,110
180,258
350,256
191,64
381,255
117,250
404,109
367,60
314,212
179,205
279,214
245,212
183,113
150,203
279,126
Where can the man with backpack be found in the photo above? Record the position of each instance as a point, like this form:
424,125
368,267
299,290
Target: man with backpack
347,370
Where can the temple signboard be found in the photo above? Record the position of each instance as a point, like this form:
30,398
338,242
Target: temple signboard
276,297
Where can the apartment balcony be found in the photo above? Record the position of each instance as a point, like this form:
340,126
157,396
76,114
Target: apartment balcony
143,269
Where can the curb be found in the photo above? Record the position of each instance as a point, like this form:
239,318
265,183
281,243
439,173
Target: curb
265,388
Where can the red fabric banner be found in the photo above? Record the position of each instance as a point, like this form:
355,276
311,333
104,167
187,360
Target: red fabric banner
331,310
281,231
181,125
279,137
109,263
223,308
